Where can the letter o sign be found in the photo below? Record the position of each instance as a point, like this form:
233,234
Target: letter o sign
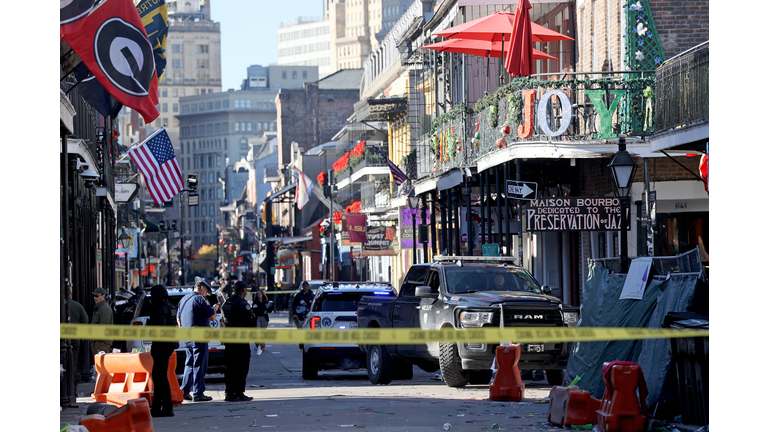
541,112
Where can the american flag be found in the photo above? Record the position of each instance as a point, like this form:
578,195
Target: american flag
178,244
157,162
397,174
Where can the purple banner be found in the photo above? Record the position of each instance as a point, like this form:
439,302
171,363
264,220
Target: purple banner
406,226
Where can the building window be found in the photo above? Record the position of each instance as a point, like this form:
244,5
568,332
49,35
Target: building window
237,129
202,49
295,75
177,48
285,75
243,144
175,107
165,109
250,129
175,92
304,75
177,63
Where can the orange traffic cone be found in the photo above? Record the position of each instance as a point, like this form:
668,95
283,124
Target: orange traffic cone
507,384
620,409
134,416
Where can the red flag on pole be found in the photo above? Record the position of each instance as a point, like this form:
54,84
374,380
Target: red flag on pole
113,44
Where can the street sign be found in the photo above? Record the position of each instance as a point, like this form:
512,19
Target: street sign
491,249
125,192
521,190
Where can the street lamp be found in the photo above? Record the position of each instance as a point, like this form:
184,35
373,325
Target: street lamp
413,203
125,240
623,169
125,243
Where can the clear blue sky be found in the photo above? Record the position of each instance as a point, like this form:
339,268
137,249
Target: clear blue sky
249,32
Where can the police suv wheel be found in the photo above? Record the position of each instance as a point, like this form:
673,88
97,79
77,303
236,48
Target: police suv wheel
380,365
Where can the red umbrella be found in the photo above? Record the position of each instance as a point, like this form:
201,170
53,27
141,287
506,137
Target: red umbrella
480,48
496,27
520,56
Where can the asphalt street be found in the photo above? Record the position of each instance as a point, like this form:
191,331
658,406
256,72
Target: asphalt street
343,401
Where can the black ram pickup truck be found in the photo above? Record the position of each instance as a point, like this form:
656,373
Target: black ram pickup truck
459,293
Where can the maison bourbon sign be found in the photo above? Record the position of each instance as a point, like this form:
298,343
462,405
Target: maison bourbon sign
573,214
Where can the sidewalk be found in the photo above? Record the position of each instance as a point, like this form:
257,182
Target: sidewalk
72,415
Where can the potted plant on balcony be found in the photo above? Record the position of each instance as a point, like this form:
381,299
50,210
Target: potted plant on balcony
322,178
357,154
341,165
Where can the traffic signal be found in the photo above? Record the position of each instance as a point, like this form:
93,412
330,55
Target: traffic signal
161,225
173,225
192,182
168,203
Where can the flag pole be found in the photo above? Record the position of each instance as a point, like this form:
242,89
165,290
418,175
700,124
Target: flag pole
161,128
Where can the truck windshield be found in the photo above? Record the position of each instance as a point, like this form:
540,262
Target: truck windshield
471,279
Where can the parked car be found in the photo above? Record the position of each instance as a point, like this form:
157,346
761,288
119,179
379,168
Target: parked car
460,293
335,307
175,294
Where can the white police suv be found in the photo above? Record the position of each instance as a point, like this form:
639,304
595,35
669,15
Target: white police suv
335,307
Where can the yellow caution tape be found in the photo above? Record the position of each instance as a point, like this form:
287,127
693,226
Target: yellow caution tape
371,336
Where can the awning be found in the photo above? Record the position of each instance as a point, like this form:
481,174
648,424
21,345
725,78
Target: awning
151,227
453,178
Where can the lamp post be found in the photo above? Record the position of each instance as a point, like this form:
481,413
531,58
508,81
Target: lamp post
125,243
623,169
413,203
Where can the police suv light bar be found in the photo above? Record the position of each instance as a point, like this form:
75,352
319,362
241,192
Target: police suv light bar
500,260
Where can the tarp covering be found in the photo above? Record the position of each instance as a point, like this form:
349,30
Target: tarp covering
601,307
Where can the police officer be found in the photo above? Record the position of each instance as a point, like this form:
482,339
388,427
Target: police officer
301,303
237,356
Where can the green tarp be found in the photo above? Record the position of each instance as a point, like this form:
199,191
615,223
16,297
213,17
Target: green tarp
601,307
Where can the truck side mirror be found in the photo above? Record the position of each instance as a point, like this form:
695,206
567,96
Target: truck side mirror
425,291
553,291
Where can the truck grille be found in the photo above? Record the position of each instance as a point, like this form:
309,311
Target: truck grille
529,316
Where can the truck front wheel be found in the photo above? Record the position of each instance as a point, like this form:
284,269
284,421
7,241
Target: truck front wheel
381,366
555,377
450,366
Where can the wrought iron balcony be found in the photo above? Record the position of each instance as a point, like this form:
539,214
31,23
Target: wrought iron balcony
271,173
375,195
682,90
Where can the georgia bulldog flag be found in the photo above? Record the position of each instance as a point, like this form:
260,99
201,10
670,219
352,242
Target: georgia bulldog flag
113,44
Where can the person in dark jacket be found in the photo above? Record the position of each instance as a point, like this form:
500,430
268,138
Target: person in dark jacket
301,303
161,314
237,356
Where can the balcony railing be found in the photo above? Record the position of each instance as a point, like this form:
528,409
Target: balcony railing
682,90
577,109
271,173
375,195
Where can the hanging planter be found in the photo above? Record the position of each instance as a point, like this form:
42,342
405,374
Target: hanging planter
322,178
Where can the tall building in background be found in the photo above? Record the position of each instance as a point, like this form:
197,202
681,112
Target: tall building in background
305,42
348,32
217,131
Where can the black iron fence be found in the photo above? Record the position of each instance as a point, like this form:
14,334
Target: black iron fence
682,86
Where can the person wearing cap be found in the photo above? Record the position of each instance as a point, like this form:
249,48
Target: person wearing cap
237,356
195,311
303,299
102,314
